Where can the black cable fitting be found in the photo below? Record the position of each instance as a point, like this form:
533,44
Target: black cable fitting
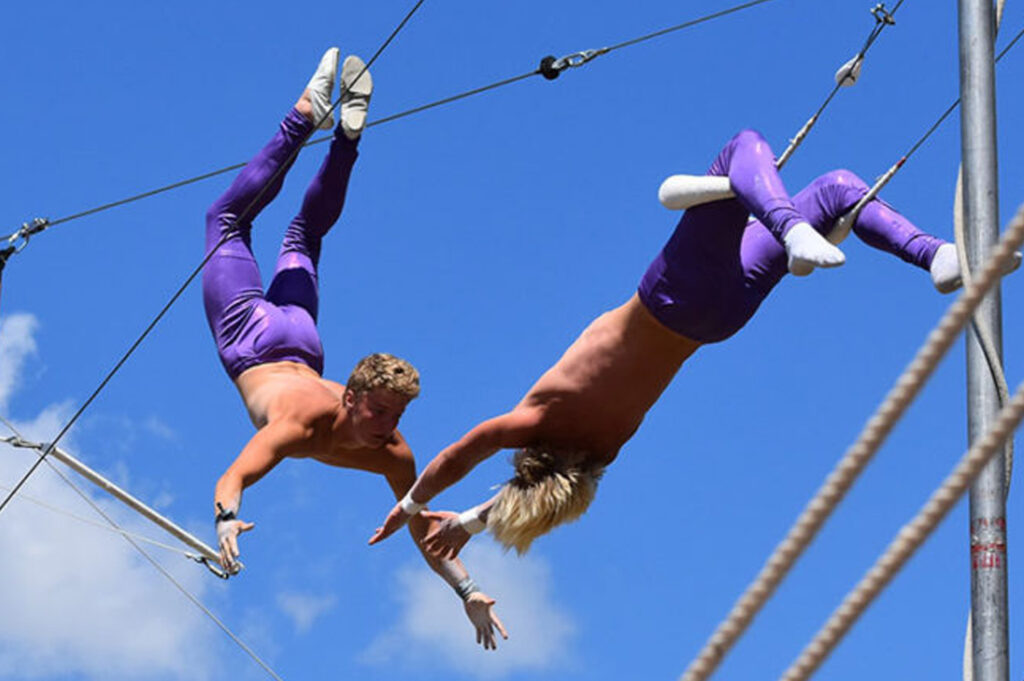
882,15
5,255
37,225
547,67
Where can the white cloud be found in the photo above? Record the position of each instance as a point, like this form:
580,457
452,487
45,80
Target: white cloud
154,425
303,609
432,627
17,342
76,599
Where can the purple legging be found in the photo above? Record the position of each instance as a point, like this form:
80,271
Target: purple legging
718,266
250,327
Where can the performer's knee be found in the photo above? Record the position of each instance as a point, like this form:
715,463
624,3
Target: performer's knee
748,136
220,220
844,178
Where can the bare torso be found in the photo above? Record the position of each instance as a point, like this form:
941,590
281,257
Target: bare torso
282,390
265,388
595,397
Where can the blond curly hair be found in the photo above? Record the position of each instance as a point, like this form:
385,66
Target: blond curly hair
545,492
381,370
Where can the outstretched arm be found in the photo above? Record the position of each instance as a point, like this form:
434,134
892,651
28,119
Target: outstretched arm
513,429
265,450
479,606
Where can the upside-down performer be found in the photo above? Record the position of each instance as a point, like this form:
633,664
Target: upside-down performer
268,341
707,282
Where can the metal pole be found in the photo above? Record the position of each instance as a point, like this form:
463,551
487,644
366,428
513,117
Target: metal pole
127,499
991,659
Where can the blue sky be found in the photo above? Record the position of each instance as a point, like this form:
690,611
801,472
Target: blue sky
478,240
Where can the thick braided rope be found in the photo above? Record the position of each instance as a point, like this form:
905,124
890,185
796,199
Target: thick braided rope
856,458
908,540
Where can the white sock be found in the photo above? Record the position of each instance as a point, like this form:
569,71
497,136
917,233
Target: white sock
807,249
945,268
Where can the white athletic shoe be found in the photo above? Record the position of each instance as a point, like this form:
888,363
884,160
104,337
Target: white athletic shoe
321,88
355,96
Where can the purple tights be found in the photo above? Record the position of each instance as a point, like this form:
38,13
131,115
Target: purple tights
718,266
250,327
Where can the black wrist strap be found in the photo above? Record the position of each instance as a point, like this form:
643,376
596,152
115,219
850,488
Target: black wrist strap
223,515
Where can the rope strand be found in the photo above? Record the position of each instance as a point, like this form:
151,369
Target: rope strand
845,473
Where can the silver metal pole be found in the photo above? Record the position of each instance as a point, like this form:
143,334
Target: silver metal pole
991,659
124,497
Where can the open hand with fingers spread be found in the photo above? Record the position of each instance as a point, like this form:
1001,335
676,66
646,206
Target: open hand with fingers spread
392,524
446,536
480,609
228,529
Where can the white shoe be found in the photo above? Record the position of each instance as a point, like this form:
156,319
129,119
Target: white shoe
355,96
321,88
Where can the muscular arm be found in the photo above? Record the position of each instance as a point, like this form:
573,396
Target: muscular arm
513,429
265,450
400,477
273,442
516,428
478,605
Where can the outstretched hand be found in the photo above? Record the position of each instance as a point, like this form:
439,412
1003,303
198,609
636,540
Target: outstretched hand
392,524
480,610
227,541
446,536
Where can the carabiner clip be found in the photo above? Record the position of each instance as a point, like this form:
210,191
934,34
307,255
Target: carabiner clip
25,233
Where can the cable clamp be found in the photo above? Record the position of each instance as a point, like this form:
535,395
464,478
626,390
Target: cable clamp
882,15
24,234
551,67
215,568
18,441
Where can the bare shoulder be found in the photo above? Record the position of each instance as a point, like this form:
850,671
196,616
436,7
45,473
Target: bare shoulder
393,459
333,386
306,400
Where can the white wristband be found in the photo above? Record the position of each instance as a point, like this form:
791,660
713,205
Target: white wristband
470,521
410,507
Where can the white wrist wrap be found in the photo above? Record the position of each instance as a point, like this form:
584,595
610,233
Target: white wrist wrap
470,521
410,507
466,588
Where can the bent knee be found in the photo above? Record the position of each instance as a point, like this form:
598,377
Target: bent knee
844,178
748,136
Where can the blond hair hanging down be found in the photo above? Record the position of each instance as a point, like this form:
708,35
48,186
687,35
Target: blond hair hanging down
550,488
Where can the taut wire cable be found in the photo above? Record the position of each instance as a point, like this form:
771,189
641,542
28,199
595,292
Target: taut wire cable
883,18
555,66
199,268
844,223
152,561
